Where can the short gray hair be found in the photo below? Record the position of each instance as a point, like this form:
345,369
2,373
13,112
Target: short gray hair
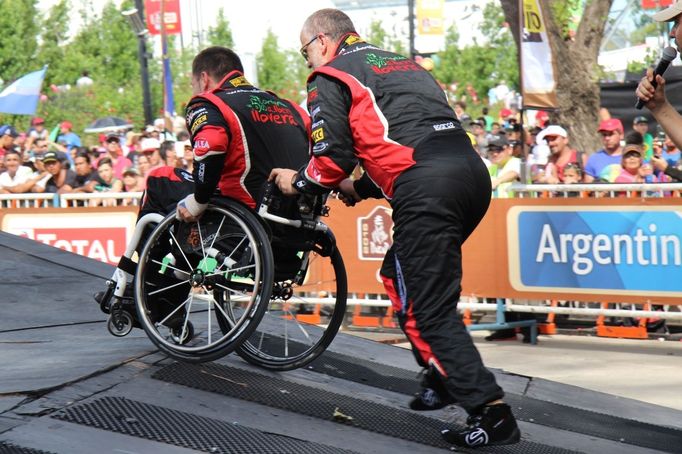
332,22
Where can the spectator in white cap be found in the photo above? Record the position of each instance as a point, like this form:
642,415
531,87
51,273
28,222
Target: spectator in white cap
562,154
654,97
150,148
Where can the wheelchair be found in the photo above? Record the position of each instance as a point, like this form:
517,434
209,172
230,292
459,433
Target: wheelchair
269,285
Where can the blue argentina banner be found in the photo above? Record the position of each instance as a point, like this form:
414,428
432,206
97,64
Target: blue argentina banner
582,249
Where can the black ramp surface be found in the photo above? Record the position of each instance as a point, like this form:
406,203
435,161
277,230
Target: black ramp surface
307,400
8,448
35,291
52,332
525,408
178,428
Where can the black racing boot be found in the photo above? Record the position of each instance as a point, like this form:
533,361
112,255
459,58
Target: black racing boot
492,425
433,395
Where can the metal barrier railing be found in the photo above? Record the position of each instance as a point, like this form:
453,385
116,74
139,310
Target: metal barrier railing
597,190
100,199
29,200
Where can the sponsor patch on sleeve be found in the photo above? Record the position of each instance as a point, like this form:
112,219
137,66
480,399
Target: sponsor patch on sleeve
317,135
210,139
320,147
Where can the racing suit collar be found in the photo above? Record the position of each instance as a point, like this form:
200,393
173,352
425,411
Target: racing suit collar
346,41
233,79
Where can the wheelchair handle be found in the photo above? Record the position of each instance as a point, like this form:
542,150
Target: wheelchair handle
271,191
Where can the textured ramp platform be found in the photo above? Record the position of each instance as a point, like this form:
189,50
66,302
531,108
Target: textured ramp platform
68,387
326,405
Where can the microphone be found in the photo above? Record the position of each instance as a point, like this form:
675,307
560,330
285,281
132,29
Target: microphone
669,54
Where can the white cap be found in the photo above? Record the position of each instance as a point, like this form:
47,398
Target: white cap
149,143
669,13
551,130
180,146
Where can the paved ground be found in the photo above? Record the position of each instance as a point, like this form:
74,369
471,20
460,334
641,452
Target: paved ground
68,387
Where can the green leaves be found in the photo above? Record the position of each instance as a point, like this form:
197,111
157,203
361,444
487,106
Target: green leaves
221,34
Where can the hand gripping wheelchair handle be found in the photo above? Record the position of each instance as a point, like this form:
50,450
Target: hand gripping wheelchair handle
270,196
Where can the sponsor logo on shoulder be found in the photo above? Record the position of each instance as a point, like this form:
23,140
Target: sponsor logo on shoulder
317,124
445,126
201,146
314,113
317,135
198,123
320,147
186,176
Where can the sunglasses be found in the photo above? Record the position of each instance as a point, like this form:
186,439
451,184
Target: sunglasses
494,150
304,50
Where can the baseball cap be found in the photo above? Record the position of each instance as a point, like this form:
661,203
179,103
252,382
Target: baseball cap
131,171
497,140
150,144
113,138
640,119
8,130
50,156
504,113
66,124
669,13
632,148
552,130
612,124
37,121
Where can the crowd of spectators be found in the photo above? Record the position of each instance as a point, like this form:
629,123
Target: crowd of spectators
627,156
33,162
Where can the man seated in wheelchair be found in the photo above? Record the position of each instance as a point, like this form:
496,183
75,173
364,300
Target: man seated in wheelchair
239,133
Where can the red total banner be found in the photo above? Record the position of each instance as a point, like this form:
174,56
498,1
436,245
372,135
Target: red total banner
171,13
99,233
651,4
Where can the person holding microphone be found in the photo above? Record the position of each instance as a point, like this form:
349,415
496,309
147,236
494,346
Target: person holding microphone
651,89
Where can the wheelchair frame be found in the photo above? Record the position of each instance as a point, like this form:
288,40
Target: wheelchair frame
251,346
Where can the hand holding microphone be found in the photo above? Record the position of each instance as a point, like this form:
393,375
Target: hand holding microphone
646,90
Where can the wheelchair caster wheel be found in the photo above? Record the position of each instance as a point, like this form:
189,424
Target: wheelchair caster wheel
178,338
121,327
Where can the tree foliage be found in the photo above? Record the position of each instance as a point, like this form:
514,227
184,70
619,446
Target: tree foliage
221,34
378,36
18,38
483,65
575,59
283,72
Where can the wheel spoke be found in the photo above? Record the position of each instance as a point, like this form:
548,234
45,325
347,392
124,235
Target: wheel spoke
167,288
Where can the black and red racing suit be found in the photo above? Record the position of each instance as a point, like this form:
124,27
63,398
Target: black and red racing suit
239,134
383,111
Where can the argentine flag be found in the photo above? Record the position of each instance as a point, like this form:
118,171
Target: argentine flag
21,97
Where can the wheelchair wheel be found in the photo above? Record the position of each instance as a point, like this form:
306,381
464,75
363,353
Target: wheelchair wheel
302,318
201,288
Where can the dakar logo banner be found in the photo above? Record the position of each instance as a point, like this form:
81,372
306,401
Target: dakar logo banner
375,234
270,111
383,65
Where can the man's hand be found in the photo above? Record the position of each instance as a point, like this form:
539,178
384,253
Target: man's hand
654,97
347,193
189,210
284,179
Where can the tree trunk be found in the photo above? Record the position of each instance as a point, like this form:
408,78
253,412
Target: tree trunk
575,63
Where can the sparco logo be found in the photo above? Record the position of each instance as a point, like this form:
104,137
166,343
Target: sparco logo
478,437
